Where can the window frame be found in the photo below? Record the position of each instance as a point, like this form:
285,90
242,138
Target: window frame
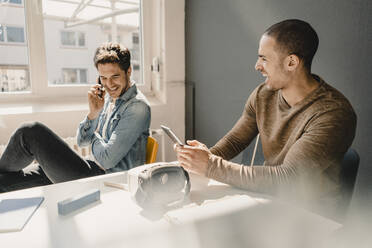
37,67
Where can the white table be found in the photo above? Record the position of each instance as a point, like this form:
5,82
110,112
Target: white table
216,215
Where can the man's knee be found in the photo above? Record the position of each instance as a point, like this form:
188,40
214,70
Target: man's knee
33,128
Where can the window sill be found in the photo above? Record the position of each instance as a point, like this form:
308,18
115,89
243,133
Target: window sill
13,43
45,106
69,104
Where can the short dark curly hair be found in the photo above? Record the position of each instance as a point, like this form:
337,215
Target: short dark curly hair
113,53
297,37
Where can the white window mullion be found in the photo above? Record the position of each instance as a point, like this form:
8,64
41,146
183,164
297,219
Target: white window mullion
35,35
146,22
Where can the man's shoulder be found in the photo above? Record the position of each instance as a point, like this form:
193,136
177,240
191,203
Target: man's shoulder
137,105
330,105
140,98
329,99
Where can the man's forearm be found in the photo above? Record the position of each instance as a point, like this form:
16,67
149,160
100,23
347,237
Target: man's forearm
264,179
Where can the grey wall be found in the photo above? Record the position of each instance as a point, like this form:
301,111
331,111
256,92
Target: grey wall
221,49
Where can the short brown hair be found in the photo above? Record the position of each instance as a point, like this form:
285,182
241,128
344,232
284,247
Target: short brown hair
113,53
295,37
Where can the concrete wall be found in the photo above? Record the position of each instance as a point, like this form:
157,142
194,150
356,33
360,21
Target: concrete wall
221,50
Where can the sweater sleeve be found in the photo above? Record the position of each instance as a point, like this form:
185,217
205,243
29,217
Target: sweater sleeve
322,145
241,135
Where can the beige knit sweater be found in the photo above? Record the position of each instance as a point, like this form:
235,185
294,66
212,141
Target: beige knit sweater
303,145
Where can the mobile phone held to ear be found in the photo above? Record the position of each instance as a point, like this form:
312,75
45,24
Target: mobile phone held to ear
171,135
100,93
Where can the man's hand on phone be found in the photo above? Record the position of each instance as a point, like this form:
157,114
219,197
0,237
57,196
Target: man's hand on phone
193,157
96,100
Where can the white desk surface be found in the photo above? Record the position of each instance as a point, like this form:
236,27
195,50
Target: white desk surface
215,215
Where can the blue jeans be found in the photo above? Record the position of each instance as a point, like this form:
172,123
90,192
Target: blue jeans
58,162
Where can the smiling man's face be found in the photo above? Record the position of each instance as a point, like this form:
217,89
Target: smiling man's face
114,79
270,63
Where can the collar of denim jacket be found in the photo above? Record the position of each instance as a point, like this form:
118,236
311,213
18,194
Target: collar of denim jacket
129,94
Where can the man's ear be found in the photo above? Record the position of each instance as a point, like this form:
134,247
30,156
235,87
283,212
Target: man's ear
292,62
129,72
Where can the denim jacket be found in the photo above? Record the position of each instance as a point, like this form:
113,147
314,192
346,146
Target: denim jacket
126,135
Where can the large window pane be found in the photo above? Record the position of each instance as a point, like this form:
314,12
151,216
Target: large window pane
15,34
14,70
71,37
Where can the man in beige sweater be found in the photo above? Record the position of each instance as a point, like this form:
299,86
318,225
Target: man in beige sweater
305,126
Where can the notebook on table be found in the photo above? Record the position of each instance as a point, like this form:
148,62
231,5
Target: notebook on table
15,213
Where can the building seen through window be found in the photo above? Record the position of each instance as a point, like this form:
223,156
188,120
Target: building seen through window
14,72
72,31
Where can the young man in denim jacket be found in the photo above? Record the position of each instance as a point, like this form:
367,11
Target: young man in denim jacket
116,128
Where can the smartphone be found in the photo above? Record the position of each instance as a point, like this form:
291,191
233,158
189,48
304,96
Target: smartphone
171,135
100,93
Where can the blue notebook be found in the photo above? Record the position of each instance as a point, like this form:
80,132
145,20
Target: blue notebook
15,213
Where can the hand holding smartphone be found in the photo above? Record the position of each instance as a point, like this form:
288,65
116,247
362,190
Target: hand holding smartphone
171,135
95,100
